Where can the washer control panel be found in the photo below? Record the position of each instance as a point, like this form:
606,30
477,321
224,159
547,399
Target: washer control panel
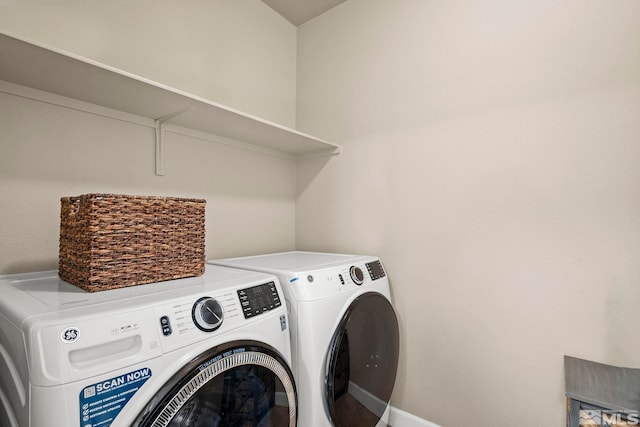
182,322
259,299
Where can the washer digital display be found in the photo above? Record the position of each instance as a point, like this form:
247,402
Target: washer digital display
259,299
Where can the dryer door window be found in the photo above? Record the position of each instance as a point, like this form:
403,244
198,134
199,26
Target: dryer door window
238,386
362,362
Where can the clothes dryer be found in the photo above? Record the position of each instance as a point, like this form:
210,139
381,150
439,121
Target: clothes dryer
344,332
206,351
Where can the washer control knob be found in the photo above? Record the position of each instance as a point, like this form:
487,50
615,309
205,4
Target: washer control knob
207,314
356,275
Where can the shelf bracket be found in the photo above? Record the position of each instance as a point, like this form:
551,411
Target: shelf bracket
160,125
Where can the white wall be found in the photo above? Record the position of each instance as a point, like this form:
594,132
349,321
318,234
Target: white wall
48,151
492,159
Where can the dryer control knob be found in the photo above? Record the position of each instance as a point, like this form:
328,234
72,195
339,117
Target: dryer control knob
207,314
356,275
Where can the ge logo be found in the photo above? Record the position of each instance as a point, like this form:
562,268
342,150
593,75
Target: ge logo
70,335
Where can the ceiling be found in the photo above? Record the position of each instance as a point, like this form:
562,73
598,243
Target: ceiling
300,11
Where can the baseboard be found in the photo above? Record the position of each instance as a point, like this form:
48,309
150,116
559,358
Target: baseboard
396,417
370,401
400,418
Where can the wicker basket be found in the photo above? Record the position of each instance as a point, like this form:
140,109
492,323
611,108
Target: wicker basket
110,241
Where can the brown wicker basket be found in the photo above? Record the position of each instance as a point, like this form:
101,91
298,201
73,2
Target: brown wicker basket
110,241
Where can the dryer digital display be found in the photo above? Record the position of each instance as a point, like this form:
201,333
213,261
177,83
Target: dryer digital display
375,270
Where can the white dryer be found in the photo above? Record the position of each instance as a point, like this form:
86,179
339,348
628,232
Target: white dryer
206,351
344,334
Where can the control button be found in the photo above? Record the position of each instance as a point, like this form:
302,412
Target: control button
166,326
341,278
207,314
356,275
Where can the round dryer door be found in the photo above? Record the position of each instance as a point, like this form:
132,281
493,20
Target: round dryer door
362,362
243,384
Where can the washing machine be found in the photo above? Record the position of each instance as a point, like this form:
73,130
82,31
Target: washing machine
344,333
206,351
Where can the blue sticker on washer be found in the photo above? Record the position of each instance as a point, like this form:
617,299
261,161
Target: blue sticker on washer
100,403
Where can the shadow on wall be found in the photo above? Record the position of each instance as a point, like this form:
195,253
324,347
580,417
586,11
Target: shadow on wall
307,170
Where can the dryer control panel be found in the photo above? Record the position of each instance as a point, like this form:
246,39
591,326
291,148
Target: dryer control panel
362,274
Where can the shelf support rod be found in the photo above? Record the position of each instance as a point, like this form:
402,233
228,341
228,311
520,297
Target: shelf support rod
160,125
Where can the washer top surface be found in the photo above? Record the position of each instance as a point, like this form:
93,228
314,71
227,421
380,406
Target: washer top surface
40,293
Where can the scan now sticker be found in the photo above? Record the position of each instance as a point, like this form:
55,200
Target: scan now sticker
100,403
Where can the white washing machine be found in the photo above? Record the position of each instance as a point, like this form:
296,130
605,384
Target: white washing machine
206,351
344,334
